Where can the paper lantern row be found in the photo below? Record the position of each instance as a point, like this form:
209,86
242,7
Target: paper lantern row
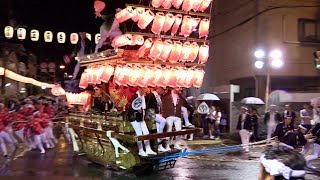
187,5
172,51
47,35
164,22
78,99
143,76
58,90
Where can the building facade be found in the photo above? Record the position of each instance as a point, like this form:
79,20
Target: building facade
239,27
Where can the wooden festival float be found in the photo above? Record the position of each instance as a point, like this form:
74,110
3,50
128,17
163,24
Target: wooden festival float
166,47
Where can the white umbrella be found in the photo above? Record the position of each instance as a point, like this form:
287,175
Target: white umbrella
252,100
208,97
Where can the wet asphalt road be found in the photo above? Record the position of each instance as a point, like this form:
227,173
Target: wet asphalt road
60,163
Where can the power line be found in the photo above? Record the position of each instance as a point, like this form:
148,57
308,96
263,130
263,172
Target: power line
256,15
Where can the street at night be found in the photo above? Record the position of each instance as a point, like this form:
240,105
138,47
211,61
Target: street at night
160,89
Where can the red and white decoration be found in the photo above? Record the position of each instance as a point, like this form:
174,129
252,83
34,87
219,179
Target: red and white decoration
78,99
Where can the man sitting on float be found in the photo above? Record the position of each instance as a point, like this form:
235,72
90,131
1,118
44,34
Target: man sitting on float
136,116
171,110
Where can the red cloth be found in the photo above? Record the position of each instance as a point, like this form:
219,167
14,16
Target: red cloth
19,125
36,127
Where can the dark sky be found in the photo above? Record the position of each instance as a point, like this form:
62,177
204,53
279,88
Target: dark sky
62,15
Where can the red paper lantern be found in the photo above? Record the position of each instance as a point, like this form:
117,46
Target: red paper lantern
83,81
136,74
166,50
187,5
198,78
156,3
98,7
203,54
57,90
173,80
107,73
158,22
122,40
204,5
156,49
175,52
188,80
147,77
124,14
186,27
204,28
146,19
157,77
196,5
168,77
195,22
177,3
186,51
137,40
168,22
122,74
194,52
146,46
138,14
176,25
94,74
167,4
78,99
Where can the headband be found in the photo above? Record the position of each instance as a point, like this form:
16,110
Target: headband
276,168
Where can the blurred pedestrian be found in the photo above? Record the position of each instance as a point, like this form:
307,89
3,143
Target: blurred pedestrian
272,118
255,123
244,126
306,115
224,121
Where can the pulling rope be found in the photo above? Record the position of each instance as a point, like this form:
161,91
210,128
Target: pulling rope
185,151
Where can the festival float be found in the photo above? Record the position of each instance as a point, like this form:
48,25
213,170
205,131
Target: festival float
167,46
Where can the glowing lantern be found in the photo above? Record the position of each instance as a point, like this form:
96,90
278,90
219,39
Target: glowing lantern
156,3
157,77
187,5
135,75
166,50
61,37
198,78
97,38
195,22
122,75
176,25
175,52
188,24
204,5
188,80
94,74
167,76
57,90
146,45
181,74
74,37
203,54
107,73
124,14
156,49
137,40
118,75
173,79
168,22
158,22
147,78
167,4
21,33
196,5
122,40
98,7
204,28
8,32
48,36
186,51
88,36
34,35
138,14
177,3
78,99
146,19
83,81
194,52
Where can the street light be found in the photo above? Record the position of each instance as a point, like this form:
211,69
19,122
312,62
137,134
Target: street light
7,85
275,59
61,66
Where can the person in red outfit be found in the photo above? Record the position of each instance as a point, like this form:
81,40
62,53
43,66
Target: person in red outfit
4,135
38,131
49,112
